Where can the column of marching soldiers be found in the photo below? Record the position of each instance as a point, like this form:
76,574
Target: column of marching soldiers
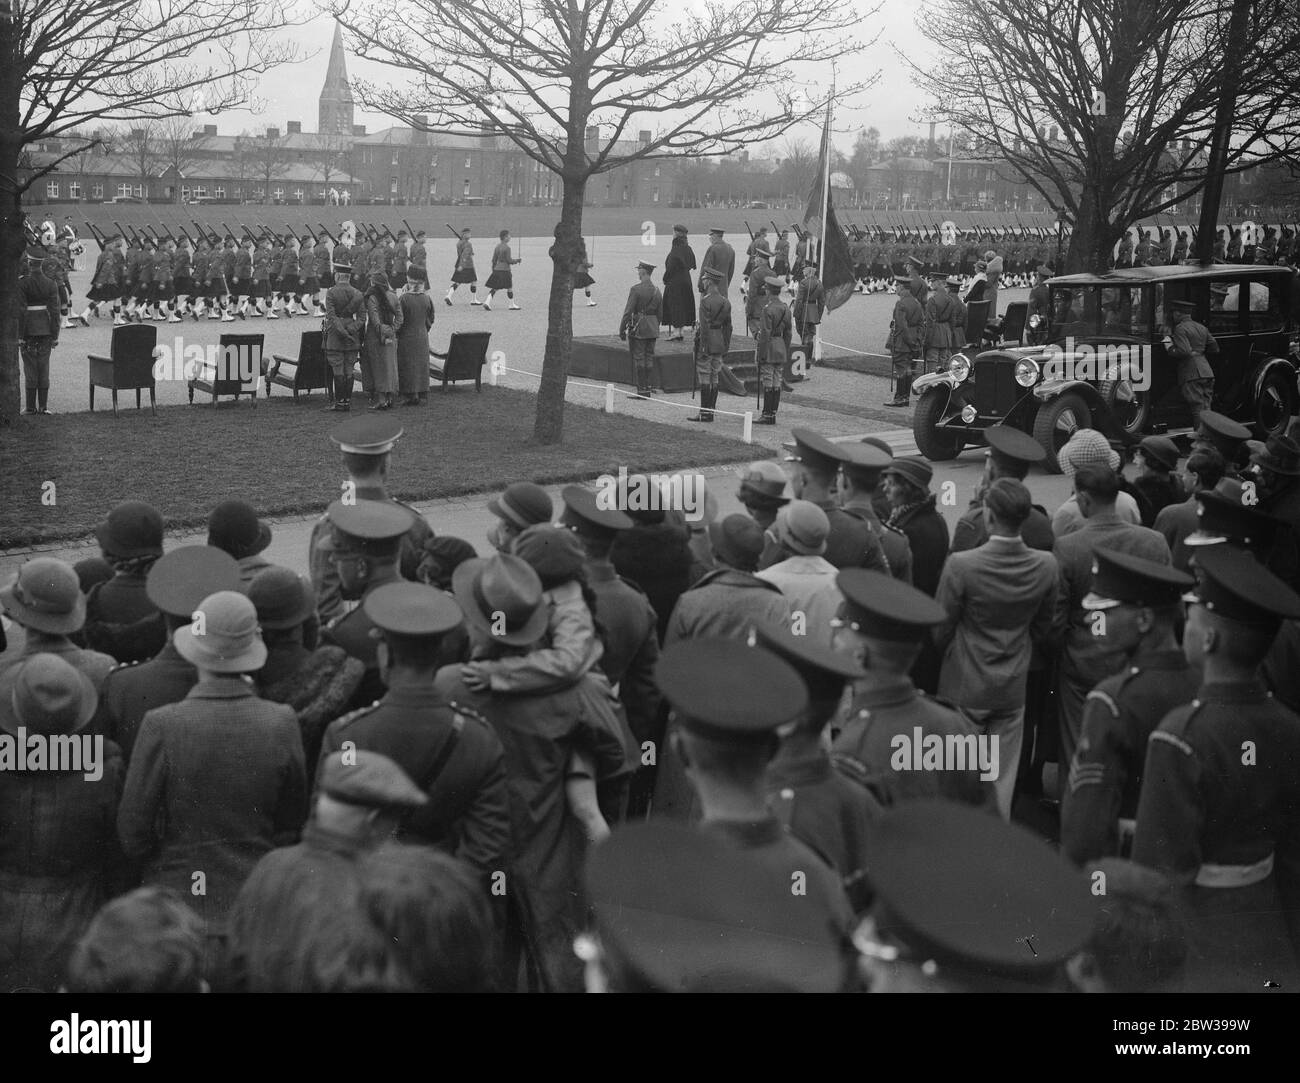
550,768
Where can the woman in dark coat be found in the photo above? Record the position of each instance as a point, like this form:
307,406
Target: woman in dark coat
379,350
413,339
656,555
59,855
679,295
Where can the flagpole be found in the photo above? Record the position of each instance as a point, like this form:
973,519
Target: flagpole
826,213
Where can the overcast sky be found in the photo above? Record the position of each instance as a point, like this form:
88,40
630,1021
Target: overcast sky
291,93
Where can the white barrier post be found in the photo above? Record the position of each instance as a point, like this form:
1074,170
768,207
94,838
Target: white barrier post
609,398
748,434
493,370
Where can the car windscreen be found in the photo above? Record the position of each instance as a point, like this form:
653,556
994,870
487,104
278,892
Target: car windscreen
1099,310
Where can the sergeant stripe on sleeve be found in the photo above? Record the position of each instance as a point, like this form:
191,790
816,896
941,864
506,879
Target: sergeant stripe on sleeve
1169,738
1105,698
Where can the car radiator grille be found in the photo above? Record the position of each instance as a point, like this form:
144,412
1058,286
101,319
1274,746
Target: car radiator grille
995,388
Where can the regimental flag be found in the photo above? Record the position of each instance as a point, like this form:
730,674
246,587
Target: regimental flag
836,264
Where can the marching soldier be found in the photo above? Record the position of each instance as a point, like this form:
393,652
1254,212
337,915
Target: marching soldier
464,270
712,334
639,327
851,542
1220,805
364,546
772,333
1137,604
344,326
906,331
450,752
884,624
366,444
501,278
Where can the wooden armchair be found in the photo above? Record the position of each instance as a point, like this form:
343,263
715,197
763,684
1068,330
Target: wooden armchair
237,356
310,370
128,366
1010,331
464,360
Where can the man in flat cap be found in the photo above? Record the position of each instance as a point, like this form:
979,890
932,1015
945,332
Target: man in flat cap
967,903
882,624
449,751
366,445
1188,343
365,546
906,339
639,327
1137,605
851,542
177,583
771,330
802,572
1010,454
361,799
713,339
678,911
819,804
1000,601
1220,805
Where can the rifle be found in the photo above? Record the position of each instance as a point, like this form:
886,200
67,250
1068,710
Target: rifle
292,233
314,238
185,235
99,239
230,232
454,233
328,233
251,235
409,229
751,233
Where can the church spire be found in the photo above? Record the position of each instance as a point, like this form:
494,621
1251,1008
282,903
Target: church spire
336,105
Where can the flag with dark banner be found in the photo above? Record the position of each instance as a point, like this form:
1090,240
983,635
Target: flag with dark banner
836,264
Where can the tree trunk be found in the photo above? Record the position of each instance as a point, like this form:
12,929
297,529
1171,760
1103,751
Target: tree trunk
13,243
548,428
1092,240
1213,193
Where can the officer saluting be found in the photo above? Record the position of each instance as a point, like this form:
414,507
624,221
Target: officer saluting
676,911
851,543
820,805
729,701
1139,602
451,753
1220,805
366,444
884,623
364,546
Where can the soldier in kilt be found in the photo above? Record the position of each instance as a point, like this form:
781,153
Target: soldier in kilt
464,272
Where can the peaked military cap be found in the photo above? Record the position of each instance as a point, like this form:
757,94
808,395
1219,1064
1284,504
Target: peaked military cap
1216,430
412,609
362,777
823,670
813,449
711,274
1183,306
1221,519
178,581
582,512
717,230
883,607
1119,578
724,689
643,266
367,435
1009,443
972,891
369,525
865,462
1235,585
682,911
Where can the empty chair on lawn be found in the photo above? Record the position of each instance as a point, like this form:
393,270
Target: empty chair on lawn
466,354
308,371
129,365
235,369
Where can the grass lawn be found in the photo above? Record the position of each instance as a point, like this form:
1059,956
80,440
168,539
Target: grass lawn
279,457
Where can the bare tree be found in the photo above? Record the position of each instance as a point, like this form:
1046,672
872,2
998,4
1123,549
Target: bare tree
68,63
798,166
1105,107
139,144
268,158
331,156
178,147
544,72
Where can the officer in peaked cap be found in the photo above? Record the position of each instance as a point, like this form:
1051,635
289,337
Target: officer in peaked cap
820,805
452,754
1225,435
968,903
851,542
366,444
364,545
584,515
1218,811
177,582
1139,604
1010,455
678,911
861,473
1222,520
728,702
883,623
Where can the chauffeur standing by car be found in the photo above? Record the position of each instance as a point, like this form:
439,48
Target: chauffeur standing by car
1188,342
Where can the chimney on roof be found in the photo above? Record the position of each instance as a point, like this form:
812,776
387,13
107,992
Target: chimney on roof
209,129
358,129
419,136
645,136
295,127
421,120
272,133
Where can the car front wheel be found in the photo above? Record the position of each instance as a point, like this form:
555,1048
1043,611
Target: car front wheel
1276,403
934,443
1058,420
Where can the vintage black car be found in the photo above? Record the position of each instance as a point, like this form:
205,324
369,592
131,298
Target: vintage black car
1097,360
